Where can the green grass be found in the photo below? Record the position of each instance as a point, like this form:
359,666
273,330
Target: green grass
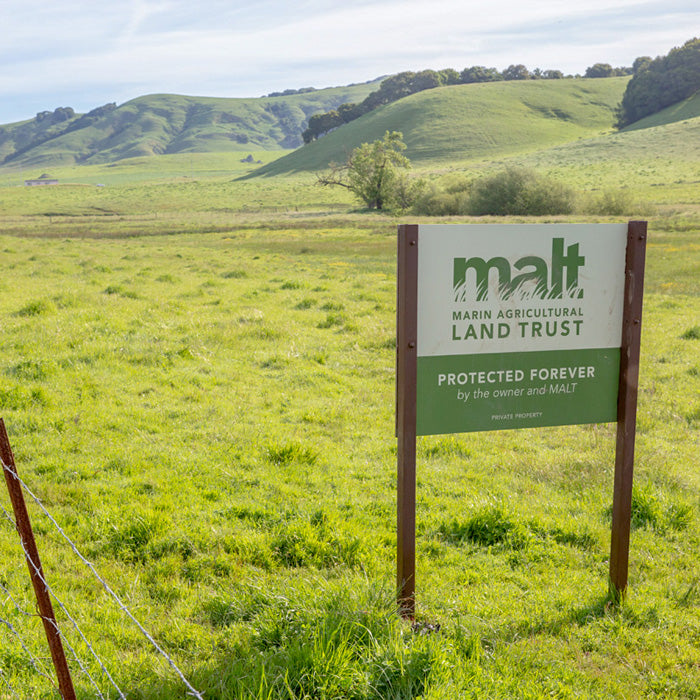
182,167
167,202
210,418
658,164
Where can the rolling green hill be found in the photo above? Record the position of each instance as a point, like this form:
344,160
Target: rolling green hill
467,122
685,109
657,162
561,126
165,124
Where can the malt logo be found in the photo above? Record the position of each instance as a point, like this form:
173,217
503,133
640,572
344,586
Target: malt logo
534,278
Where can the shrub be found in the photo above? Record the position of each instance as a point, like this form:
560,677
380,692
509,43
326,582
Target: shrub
433,202
517,191
612,203
448,197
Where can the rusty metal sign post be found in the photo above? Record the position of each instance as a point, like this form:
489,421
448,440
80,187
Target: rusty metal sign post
406,369
24,528
537,327
627,406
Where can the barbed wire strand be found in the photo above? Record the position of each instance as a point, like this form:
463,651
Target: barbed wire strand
106,586
32,657
17,605
73,622
9,685
79,662
99,661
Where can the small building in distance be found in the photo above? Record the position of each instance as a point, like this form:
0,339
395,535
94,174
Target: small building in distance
41,180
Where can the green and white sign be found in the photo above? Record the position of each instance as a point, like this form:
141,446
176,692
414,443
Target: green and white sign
518,326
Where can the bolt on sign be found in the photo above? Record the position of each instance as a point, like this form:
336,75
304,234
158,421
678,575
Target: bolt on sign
513,326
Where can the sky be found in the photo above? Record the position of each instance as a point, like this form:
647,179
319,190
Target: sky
83,54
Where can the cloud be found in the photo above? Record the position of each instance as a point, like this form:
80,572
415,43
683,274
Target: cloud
216,47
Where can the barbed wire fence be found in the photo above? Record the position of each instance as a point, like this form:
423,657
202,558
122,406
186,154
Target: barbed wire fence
75,626
15,618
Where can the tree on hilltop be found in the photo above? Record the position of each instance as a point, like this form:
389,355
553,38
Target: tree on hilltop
516,72
605,70
599,70
449,76
641,63
480,74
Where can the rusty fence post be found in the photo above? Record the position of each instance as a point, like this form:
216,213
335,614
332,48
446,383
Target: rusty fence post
627,407
24,528
406,367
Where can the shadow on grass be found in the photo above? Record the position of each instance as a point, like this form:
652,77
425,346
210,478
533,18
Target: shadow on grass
599,608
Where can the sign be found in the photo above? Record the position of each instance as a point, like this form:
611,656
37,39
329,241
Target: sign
518,326
511,327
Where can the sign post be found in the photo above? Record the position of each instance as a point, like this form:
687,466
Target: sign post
406,354
516,326
627,407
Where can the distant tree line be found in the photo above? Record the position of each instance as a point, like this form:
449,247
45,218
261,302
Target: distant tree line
660,82
287,93
60,114
66,114
407,83
605,70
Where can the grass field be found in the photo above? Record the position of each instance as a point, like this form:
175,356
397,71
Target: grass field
198,382
210,418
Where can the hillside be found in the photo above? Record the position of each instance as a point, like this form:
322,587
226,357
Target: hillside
659,161
685,109
481,120
159,124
